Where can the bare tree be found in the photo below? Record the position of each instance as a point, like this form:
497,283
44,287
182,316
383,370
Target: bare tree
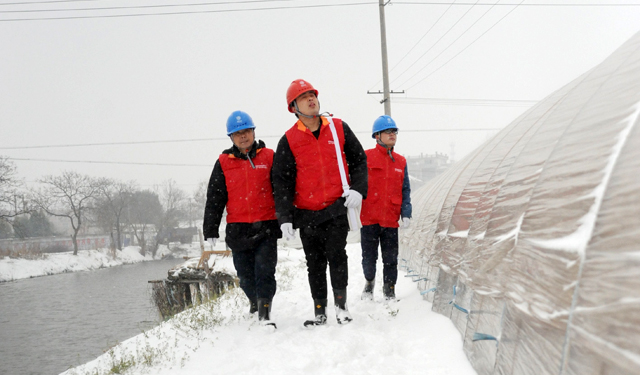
173,199
35,224
12,202
68,195
143,212
115,197
200,200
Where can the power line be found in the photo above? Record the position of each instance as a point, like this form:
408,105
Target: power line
447,130
423,36
112,162
214,139
394,2
526,5
209,165
184,12
450,44
140,6
280,8
468,102
468,45
415,45
47,2
434,44
118,143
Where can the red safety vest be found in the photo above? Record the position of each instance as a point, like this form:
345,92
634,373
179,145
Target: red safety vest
249,190
318,183
384,197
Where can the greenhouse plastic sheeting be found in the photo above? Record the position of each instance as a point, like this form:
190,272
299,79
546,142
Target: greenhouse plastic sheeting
531,244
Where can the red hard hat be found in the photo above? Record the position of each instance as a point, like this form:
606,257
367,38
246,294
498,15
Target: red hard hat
296,88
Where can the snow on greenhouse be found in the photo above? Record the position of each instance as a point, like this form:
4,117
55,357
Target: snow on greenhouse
531,244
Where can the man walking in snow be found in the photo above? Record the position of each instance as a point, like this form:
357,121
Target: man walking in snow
241,181
310,196
388,200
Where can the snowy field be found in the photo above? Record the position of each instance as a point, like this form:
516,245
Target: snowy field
222,338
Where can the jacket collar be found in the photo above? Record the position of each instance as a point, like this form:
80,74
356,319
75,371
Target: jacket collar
300,125
382,149
255,149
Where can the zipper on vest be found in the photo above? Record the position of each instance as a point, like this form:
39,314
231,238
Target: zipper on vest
251,161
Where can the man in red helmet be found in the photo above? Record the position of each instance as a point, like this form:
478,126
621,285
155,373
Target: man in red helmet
309,194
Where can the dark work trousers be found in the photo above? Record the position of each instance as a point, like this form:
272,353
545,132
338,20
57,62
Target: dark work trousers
325,243
256,269
370,237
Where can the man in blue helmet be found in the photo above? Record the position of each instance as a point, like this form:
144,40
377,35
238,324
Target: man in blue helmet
388,200
241,182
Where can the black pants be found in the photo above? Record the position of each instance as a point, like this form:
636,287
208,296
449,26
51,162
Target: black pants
256,268
325,243
370,237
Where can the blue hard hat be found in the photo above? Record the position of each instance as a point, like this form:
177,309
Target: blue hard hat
383,123
239,121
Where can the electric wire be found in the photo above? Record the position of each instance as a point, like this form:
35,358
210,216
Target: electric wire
394,3
467,102
415,45
209,165
468,45
525,5
112,162
490,4
434,44
202,140
184,12
48,2
448,46
139,6
117,143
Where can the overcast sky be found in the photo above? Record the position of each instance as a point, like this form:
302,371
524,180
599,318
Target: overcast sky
83,78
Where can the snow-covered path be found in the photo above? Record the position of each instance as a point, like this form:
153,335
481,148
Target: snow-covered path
222,338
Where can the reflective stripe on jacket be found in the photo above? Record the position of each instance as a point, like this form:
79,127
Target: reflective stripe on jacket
384,198
250,195
318,183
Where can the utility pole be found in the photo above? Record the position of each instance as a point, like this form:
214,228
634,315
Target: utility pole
385,66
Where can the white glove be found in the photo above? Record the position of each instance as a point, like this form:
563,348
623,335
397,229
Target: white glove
287,231
212,241
354,199
406,222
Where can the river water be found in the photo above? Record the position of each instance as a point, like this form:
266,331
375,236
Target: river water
49,324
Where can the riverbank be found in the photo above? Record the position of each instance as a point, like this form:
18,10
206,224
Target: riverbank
55,322
12,269
220,337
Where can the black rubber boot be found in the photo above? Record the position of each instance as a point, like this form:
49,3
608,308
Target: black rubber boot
264,312
389,291
320,310
342,312
367,293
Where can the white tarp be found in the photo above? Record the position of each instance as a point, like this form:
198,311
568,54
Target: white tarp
533,240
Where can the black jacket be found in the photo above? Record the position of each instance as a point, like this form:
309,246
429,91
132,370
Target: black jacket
283,177
217,197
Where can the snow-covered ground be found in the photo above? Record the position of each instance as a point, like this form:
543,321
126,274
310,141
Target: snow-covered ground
86,260
220,337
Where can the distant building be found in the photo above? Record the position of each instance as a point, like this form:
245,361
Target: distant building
425,167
